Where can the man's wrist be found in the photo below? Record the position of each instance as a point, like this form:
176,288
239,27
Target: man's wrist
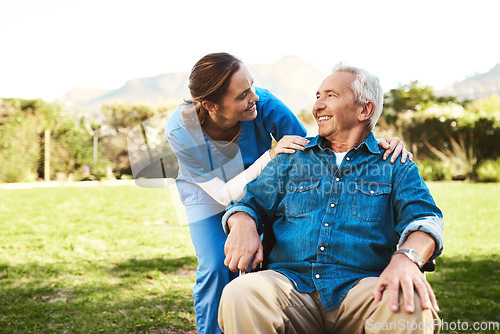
413,255
238,217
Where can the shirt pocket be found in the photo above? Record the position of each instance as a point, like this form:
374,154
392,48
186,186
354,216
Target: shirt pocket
370,200
300,196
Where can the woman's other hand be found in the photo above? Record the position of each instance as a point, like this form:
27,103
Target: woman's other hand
395,146
288,144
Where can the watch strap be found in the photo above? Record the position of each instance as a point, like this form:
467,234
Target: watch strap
413,255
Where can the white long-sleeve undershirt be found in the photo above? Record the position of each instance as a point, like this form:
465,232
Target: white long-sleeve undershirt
225,192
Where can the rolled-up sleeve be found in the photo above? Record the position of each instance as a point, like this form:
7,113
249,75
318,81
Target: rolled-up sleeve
432,225
232,209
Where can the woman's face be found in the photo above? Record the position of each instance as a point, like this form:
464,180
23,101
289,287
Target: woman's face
239,102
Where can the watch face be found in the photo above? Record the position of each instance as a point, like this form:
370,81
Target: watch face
415,257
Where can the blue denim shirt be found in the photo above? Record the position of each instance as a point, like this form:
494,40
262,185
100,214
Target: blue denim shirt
335,226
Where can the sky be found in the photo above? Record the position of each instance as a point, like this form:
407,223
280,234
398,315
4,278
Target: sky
50,47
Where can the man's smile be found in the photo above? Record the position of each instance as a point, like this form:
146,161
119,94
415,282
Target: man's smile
323,119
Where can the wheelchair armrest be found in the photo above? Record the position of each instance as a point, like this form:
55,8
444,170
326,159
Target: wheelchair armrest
428,266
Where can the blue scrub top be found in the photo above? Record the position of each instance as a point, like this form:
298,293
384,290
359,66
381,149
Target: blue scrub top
200,161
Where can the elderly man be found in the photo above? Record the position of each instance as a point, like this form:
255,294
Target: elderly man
339,213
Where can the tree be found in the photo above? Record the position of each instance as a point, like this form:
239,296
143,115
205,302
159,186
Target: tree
488,105
410,97
121,119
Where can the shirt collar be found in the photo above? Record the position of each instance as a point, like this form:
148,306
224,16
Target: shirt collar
371,143
316,141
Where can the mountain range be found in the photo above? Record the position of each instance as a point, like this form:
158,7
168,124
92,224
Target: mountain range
291,79
475,87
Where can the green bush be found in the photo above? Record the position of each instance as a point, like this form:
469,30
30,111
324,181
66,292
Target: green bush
489,171
458,158
20,151
461,136
433,170
439,125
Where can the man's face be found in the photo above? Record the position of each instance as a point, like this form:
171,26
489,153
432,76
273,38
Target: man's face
335,110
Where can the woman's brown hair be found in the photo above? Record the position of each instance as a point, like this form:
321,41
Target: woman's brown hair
210,78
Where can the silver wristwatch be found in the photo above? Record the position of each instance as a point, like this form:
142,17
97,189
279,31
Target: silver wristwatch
412,255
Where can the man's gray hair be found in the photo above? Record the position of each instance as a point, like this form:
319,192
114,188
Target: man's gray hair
366,87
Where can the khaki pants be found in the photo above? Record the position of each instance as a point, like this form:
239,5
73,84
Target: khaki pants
267,302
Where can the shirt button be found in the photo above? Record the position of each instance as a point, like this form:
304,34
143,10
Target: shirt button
337,179
332,205
301,187
317,276
347,158
322,248
326,224
372,192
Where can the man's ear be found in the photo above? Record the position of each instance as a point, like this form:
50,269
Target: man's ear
367,111
210,106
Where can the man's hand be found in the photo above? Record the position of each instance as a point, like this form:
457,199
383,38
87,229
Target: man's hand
243,243
403,273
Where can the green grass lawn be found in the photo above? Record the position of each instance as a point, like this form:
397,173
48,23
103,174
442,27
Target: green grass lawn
466,281
94,260
114,259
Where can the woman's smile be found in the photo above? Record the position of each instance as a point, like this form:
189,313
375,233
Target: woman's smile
251,109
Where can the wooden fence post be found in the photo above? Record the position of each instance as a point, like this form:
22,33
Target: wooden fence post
46,164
